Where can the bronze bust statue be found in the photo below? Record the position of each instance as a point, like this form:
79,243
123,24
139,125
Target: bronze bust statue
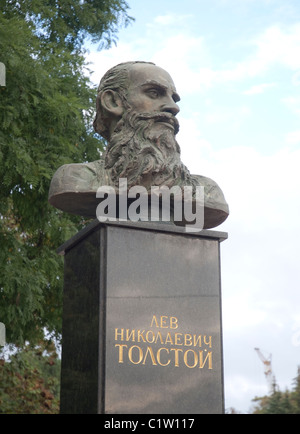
136,114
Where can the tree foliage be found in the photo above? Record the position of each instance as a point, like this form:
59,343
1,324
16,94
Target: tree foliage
46,113
279,402
30,381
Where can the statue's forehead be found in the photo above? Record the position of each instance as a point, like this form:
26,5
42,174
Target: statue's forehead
143,74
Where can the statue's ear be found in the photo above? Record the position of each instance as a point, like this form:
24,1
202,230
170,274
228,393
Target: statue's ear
112,103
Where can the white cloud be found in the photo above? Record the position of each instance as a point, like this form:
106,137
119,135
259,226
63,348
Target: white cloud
296,78
293,138
234,117
170,19
102,61
293,103
262,190
274,46
258,88
186,58
279,46
242,391
164,20
189,58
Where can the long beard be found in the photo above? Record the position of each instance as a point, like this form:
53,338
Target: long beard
145,152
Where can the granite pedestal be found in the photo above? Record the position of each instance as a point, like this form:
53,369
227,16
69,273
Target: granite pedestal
142,326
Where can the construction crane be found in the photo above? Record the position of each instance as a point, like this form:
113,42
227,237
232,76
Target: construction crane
268,370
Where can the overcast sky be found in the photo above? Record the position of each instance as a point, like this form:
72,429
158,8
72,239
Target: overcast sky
236,66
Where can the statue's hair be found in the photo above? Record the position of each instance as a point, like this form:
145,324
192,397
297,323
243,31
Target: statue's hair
116,79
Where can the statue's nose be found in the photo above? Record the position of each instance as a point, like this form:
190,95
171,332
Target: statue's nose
170,106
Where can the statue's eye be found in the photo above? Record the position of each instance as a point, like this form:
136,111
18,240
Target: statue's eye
153,93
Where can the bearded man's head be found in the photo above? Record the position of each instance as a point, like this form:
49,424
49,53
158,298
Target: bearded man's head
136,109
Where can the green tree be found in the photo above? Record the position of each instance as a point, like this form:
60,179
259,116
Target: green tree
46,113
30,381
278,402
295,395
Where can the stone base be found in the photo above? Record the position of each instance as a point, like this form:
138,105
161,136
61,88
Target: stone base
142,320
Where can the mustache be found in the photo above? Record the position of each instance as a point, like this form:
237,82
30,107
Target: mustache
163,117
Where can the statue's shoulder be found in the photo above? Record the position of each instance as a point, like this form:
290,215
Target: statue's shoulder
73,187
214,197
78,177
